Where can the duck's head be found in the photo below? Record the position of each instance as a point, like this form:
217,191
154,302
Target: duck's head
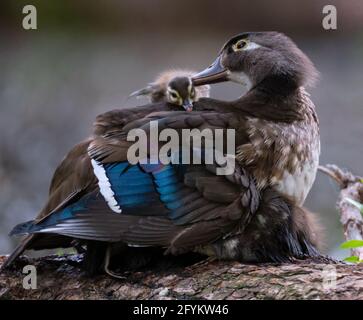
260,59
181,91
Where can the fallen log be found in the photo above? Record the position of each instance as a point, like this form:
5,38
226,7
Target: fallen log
62,278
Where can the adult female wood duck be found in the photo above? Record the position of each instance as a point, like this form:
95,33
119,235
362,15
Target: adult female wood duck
175,87
255,214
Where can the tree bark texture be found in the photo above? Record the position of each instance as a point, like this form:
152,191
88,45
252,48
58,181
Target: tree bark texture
62,278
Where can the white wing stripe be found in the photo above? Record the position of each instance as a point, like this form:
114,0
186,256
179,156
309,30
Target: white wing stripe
105,186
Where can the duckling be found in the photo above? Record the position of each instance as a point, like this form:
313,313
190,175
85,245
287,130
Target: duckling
174,87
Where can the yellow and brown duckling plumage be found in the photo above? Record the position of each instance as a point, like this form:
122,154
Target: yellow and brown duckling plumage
174,87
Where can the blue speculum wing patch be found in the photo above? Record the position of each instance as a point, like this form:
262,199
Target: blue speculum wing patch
131,185
144,189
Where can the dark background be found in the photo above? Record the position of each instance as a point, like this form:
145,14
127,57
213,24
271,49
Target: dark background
87,56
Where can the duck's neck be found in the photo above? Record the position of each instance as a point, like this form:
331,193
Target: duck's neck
272,103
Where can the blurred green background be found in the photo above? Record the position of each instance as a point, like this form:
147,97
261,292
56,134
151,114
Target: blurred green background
87,56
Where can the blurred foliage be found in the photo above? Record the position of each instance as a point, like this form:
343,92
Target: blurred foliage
351,244
353,259
203,16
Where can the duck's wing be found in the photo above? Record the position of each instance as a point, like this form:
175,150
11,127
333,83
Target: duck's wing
115,120
74,175
173,206
71,180
154,205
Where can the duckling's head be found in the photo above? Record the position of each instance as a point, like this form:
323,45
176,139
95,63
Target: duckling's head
175,87
264,59
180,91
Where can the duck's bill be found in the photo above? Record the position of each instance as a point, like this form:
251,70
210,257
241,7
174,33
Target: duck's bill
213,74
188,106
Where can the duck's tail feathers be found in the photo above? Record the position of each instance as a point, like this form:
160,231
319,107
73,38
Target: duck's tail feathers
23,245
22,228
143,92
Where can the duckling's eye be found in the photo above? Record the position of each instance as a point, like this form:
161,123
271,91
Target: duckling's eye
173,95
240,45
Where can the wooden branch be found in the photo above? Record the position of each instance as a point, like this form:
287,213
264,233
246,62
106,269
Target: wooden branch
351,187
61,278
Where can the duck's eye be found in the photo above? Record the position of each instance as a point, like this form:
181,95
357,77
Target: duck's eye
173,95
240,45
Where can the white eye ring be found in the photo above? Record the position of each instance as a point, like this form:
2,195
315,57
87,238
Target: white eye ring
240,45
244,45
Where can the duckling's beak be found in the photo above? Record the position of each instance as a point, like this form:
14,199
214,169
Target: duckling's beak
188,105
213,74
